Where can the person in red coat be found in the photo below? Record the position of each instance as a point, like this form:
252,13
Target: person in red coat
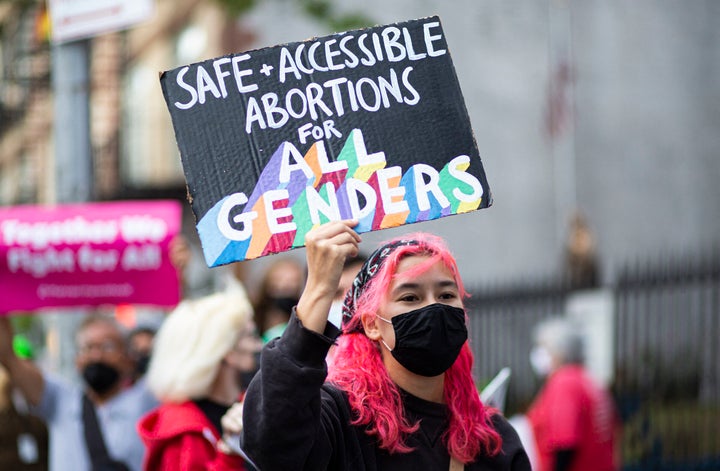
201,354
573,418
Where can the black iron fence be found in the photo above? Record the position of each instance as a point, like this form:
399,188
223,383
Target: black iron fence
665,351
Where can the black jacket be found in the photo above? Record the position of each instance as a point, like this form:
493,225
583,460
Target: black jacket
294,421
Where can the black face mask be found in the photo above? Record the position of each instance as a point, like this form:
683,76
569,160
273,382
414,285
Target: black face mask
244,377
428,340
101,377
141,364
285,304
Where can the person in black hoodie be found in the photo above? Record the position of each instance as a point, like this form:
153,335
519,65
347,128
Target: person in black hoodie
398,394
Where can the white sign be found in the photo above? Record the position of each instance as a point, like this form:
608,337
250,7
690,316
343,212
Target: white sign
79,19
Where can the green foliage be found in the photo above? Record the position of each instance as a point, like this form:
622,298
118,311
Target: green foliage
321,10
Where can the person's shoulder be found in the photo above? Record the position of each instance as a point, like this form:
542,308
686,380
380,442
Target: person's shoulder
59,388
508,434
501,424
171,419
139,395
329,392
513,452
187,411
60,399
56,380
336,400
566,379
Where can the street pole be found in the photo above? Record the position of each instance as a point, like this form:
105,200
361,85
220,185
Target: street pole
72,170
71,87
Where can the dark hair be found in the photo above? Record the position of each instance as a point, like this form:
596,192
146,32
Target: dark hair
265,301
141,330
107,320
358,259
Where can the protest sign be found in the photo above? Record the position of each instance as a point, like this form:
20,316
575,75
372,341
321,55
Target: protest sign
88,255
367,124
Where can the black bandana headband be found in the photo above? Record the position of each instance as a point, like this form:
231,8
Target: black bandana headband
367,272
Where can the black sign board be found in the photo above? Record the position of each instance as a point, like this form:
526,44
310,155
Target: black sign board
367,124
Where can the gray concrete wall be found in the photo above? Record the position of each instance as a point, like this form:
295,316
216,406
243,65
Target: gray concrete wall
648,126
639,154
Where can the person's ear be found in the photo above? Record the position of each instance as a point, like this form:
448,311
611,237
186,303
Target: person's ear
371,326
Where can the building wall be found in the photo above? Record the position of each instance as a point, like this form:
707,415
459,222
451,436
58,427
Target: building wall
637,146
648,99
609,107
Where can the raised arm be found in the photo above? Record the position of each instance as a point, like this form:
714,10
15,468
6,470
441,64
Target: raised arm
327,247
286,422
24,374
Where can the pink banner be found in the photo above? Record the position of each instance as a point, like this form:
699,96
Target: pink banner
88,255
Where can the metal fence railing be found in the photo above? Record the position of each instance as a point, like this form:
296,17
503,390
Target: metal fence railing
501,323
667,363
666,351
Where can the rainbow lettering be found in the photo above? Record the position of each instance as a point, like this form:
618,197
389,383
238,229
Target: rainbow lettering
296,192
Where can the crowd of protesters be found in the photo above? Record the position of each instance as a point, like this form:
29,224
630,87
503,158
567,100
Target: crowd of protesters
350,361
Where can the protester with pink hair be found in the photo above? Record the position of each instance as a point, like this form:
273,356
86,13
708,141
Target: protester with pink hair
399,395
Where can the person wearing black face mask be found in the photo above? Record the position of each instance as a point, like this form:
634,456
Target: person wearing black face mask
278,292
140,343
201,356
397,391
429,339
100,377
90,426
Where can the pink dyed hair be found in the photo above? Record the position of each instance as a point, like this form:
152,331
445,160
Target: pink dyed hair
357,369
